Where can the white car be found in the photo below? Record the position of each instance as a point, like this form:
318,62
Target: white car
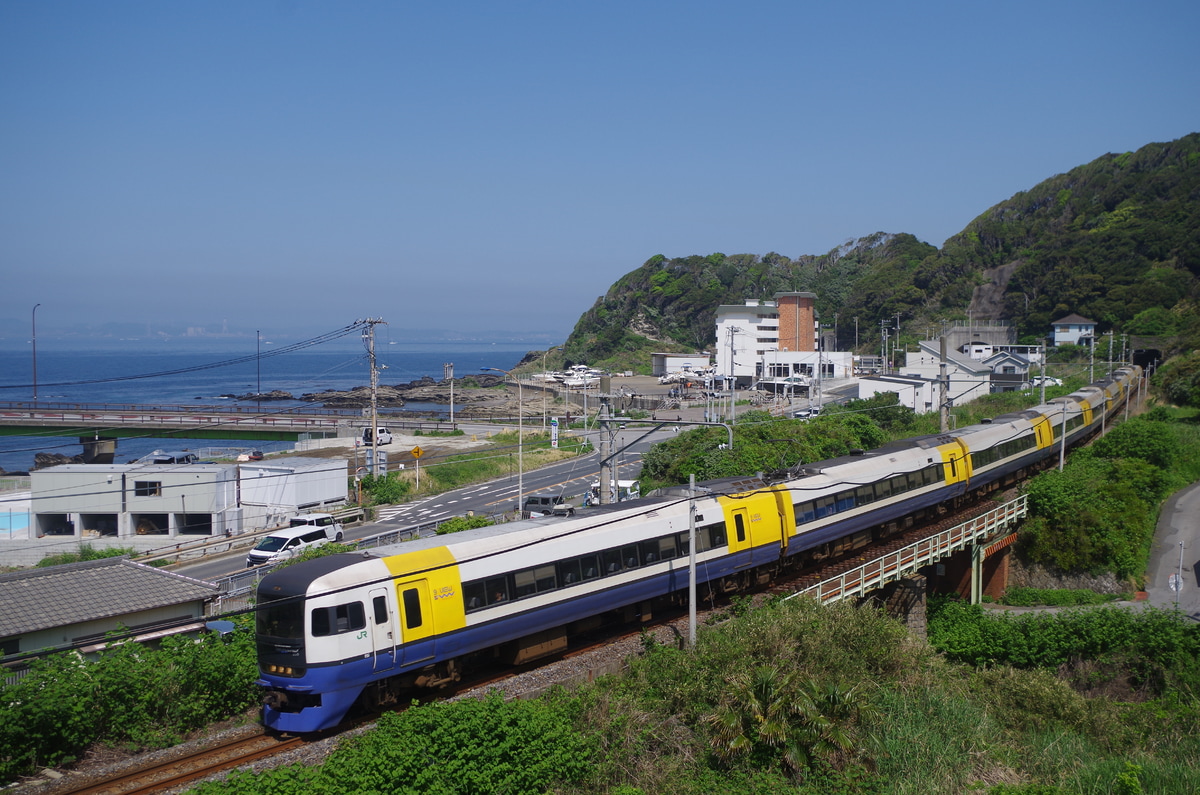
1038,380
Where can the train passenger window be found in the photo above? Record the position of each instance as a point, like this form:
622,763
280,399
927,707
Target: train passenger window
544,577
412,608
739,524
591,566
380,605
824,507
864,495
612,561
629,554
845,501
649,550
666,548
933,474
915,480
899,484
474,595
716,536
569,571
883,489
805,512
496,589
525,584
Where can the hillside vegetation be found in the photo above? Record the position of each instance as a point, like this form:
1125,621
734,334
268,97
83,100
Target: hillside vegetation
1116,240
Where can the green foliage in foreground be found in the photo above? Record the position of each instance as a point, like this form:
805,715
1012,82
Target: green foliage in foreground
86,552
468,746
131,696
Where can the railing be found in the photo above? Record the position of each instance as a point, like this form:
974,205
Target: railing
905,561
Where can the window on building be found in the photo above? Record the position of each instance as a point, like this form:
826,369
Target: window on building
147,488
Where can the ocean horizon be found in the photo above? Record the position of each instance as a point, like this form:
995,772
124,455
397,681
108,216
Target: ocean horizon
206,371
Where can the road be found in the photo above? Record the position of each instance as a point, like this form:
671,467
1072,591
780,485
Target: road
1176,552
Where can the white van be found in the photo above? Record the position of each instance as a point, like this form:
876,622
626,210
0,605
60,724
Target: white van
309,530
383,434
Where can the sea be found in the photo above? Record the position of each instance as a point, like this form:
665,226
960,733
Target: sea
201,371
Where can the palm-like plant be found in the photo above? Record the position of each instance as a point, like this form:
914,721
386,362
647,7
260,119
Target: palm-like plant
770,712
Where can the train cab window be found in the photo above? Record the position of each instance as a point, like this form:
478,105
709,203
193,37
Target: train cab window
379,603
349,617
739,524
411,599
282,619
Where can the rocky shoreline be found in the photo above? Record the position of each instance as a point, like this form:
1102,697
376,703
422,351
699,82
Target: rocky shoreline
472,390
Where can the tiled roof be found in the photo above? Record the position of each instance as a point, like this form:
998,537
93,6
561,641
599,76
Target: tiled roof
73,593
1073,320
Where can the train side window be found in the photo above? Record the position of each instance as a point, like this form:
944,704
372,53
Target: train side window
629,554
612,561
649,550
543,577
883,489
379,603
591,566
474,595
845,501
805,512
568,571
496,589
681,541
525,583
824,506
864,495
899,484
716,536
412,608
667,548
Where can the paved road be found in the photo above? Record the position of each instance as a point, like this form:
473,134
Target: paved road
1178,532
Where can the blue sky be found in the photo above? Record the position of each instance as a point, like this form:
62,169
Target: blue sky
495,166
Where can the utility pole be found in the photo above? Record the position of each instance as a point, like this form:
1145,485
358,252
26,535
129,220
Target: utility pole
944,391
369,339
606,471
448,374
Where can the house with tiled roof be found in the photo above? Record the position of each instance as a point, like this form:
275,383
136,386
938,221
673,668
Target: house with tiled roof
1071,329
73,606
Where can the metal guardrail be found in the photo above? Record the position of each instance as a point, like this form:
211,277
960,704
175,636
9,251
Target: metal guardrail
905,561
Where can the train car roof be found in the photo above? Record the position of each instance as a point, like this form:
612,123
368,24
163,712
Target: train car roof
294,579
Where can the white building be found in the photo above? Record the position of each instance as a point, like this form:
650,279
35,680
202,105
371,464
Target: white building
1073,330
150,502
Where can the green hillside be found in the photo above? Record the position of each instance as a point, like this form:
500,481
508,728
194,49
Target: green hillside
1116,240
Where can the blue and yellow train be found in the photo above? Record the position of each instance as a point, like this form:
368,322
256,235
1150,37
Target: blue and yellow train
373,625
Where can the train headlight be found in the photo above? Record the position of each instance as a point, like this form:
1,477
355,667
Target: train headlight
281,670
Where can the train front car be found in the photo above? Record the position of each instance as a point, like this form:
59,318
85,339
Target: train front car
323,630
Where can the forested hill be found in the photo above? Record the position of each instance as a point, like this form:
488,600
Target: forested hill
1116,240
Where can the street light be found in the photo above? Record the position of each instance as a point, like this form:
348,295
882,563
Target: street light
520,433
34,322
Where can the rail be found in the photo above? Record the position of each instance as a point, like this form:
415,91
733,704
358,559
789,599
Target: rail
906,560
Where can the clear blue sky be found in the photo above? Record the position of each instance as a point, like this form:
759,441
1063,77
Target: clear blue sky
292,166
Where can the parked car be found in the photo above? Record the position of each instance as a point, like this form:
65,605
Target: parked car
307,530
1037,380
383,434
